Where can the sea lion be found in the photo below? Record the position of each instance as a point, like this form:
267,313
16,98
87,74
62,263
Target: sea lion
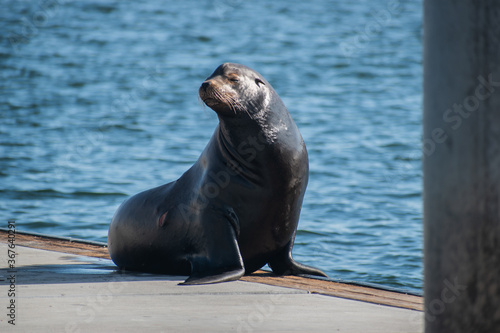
237,208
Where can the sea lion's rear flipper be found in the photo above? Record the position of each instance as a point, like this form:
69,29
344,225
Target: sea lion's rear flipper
219,259
283,264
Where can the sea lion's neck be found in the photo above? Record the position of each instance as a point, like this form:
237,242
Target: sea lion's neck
238,130
243,144
266,126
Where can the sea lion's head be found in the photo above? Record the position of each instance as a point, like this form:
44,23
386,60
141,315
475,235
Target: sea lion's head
235,90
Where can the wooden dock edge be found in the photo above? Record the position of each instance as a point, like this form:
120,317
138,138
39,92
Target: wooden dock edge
316,286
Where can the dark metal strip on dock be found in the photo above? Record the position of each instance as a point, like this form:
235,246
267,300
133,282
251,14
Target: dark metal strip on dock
317,286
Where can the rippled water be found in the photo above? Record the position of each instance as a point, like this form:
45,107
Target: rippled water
99,101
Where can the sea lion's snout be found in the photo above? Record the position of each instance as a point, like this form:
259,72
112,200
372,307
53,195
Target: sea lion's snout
205,85
219,96
207,94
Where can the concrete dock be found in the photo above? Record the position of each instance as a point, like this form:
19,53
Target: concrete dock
63,286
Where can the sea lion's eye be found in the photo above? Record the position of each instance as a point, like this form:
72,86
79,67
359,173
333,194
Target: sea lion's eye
233,79
258,81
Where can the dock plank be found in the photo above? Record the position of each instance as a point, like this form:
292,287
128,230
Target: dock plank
316,286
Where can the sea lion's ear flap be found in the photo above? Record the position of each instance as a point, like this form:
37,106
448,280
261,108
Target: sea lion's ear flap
258,81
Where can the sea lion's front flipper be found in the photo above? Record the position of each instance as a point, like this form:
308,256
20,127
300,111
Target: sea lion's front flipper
283,264
214,277
219,259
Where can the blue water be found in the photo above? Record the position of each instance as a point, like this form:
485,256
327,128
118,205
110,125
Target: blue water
98,101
